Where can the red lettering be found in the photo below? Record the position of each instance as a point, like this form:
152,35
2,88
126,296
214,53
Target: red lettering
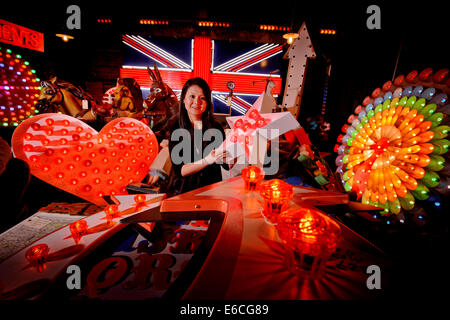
186,241
33,40
159,244
105,274
153,270
20,36
6,32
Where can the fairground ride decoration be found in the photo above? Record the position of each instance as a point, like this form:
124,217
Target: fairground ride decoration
19,89
393,152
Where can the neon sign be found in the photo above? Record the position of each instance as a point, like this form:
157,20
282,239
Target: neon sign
20,36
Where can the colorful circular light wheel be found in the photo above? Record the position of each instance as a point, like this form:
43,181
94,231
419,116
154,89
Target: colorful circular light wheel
19,89
395,144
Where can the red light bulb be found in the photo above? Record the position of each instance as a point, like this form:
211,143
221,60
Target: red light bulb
110,212
238,124
307,233
276,194
254,114
140,199
37,256
78,229
252,176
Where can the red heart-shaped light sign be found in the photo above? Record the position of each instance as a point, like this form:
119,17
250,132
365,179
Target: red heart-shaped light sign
72,156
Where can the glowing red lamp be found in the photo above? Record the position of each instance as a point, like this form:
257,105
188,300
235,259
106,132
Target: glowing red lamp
140,199
276,195
252,176
111,211
310,238
78,229
37,256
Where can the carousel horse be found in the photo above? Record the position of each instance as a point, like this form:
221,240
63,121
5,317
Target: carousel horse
64,97
162,105
128,101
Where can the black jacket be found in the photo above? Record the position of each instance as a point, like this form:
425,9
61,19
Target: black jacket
209,175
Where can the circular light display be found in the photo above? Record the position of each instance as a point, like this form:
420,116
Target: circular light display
19,89
394,145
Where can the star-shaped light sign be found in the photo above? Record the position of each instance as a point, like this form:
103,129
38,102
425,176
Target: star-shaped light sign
246,130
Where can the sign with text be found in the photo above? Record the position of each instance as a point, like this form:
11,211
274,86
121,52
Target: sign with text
20,36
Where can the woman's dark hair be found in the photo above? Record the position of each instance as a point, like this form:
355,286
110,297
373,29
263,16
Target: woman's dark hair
207,115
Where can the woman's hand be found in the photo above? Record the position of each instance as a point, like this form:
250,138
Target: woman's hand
216,156
152,179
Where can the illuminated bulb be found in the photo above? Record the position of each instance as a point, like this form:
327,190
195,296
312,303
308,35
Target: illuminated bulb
290,37
78,229
276,194
139,199
110,211
37,256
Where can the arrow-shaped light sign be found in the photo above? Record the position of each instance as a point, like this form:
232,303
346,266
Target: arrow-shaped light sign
298,53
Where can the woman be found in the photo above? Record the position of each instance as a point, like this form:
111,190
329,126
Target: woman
193,166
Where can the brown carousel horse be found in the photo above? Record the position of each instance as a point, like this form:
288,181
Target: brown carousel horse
128,101
162,105
64,97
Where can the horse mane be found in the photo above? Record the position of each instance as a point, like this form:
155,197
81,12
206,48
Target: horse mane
73,89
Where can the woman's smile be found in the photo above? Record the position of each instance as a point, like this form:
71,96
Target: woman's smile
195,102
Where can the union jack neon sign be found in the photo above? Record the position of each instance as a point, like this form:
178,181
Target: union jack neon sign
204,62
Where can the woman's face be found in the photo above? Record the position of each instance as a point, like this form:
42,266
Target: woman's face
195,102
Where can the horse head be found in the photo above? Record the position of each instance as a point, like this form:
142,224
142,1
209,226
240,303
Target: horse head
61,96
158,90
127,96
161,103
50,96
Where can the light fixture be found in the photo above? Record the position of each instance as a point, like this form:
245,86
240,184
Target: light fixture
276,195
310,238
213,24
252,176
64,37
154,22
273,28
37,256
290,37
111,211
328,31
78,229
